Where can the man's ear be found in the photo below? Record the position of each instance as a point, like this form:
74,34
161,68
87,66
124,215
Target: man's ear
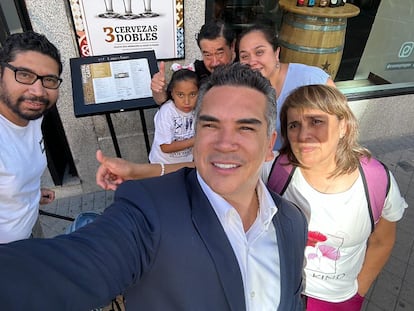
233,50
269,152
233,45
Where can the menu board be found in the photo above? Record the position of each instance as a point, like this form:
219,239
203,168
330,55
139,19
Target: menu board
110,83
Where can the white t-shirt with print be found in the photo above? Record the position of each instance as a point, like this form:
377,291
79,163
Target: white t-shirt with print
171,125
22,163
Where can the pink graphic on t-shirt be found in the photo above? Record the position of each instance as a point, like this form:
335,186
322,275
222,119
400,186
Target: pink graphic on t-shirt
315,237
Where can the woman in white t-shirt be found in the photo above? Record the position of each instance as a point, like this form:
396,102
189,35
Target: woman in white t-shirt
343,257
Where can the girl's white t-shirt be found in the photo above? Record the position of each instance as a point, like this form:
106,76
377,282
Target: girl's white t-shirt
172,125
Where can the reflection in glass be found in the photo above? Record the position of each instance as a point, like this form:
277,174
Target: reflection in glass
109,10
147,10
128,11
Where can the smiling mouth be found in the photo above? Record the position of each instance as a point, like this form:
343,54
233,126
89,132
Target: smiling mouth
34,105
255,68
225,166
34,100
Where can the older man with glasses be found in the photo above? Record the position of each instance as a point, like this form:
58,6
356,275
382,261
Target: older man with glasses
30,68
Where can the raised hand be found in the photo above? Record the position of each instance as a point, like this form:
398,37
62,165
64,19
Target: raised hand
159,85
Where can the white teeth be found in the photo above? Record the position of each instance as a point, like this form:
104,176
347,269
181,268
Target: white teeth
225,166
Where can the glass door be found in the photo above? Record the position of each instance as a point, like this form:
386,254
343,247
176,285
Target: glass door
13,18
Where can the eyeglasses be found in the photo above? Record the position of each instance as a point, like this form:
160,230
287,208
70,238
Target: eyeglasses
25,76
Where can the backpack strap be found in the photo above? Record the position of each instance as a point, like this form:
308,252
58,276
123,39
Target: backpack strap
376,179
279,181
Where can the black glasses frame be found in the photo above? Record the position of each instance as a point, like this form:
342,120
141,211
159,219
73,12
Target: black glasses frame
38,77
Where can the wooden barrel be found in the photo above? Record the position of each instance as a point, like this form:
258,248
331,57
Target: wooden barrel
313,40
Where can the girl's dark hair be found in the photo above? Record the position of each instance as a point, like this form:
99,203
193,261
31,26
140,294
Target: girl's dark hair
181,75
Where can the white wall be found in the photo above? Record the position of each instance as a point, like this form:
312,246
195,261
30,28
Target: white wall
385,118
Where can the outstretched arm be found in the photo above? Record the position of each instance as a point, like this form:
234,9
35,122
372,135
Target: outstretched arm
113,171
379,249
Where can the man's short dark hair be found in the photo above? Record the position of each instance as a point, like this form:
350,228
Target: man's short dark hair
238,74
25,42
215,29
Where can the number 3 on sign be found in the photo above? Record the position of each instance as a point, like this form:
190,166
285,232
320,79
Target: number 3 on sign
109,34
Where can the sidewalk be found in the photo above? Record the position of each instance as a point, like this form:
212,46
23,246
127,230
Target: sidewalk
394,288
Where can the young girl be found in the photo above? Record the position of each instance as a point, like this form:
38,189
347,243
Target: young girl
174,121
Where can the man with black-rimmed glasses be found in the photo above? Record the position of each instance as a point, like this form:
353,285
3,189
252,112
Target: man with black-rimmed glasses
30,68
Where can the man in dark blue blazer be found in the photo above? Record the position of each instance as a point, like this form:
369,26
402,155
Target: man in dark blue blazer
210,238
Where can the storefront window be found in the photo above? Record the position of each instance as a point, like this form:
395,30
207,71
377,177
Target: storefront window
13,18
376,55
